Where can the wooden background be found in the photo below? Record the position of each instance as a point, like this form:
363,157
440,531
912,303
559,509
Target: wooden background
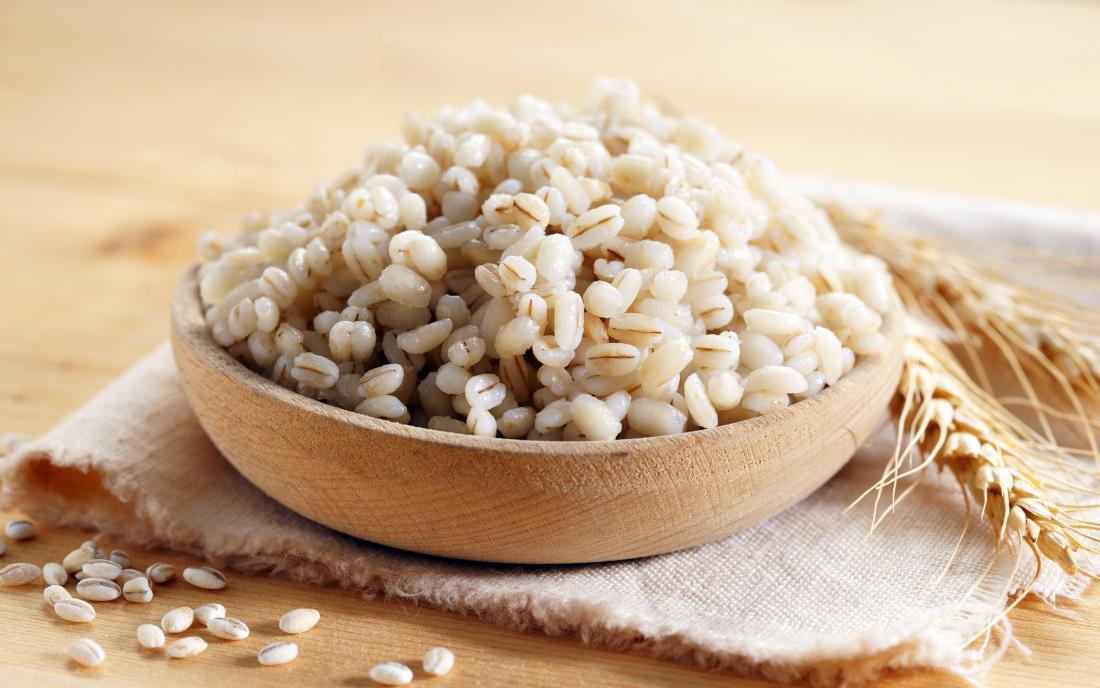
126,128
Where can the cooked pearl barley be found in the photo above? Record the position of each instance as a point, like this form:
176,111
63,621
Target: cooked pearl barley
204,577
20,530
160,573
385,406
86,652
391,674
639,252
98,589
299,620
314,371
666,361
54,573
438,661
120,557
484,391
775,380
19,574
102,568
74,610
185,647
676,218
277,653
55,593
228,629
594,419
150,636
698,403
211,610
177,620
138,590
652,417
612,358
481,422
424,338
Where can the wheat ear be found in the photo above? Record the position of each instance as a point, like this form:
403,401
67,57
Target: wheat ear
1015,476
1050,342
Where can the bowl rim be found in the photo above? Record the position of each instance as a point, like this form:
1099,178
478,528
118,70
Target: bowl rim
188,321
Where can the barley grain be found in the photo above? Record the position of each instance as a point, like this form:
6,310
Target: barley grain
438,661
20,529
277,653
98,589
150,636
186,647
20,573
299,620
74,610
177,620
204,577
228,629
54,573
138,590
87,652
160,573
102,568
391,674
211,610
55,593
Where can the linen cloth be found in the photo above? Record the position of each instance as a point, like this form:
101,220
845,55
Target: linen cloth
805,595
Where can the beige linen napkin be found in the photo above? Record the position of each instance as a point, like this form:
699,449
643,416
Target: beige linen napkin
803,595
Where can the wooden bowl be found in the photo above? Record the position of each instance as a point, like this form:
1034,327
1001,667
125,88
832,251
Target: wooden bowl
522,501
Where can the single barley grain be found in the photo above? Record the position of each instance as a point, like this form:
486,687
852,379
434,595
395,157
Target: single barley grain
19,574
204,577
186,647
391,674
208,612
20,530
138,590
74,561
98,589
438,661
160,573
177,620
277,653
75,610
54,573
150,636
299,620
128,575
55,593
227,628
120,557
102,568
86,652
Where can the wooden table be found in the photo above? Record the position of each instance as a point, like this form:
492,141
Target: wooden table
126,128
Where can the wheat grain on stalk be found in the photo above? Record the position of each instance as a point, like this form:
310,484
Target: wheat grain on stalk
1035,491
1048,341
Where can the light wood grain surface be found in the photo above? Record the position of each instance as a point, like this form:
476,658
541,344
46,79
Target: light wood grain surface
126,128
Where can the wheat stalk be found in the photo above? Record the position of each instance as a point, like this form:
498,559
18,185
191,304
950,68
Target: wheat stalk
1050,343
1034,491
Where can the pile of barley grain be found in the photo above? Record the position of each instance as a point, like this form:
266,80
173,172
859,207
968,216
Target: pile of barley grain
546,272
103,577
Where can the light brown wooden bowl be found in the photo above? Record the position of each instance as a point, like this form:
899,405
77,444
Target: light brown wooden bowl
522,501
